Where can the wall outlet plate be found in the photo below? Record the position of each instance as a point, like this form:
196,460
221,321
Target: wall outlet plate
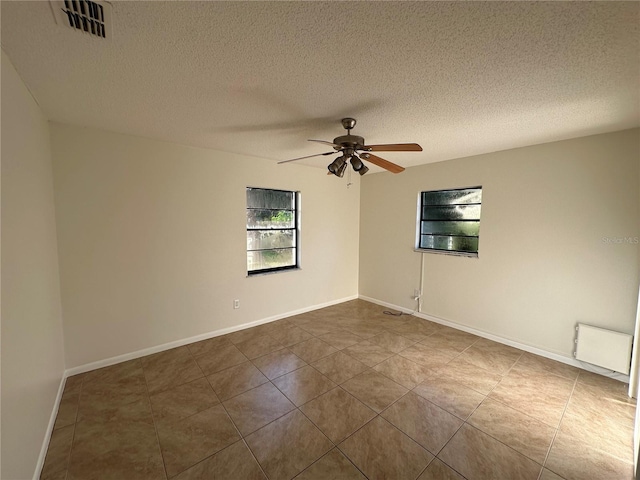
236,304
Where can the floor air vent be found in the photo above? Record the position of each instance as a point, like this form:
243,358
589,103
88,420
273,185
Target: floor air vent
90,17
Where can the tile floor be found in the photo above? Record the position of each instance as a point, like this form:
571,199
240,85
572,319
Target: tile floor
345,392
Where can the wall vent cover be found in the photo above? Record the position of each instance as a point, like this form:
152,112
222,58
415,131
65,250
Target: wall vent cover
87,16
605,348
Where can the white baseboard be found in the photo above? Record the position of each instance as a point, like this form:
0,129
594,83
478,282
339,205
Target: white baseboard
197,338
506,341
47,435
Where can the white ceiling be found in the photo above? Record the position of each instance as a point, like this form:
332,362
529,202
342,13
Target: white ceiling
260,78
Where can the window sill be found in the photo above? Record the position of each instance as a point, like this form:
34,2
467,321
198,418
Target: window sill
272,272
446,252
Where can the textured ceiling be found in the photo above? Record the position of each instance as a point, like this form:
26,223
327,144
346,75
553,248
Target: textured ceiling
259,78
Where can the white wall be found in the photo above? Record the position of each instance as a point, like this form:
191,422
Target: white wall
32,345
543,264
152,241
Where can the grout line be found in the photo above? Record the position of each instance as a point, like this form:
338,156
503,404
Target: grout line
153,419
555,435
243,440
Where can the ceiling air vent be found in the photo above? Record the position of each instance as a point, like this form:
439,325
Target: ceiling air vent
87,16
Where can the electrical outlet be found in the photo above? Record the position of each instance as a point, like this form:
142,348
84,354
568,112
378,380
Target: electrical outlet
416,293
236,303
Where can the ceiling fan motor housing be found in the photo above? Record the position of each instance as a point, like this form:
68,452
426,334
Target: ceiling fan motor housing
349,141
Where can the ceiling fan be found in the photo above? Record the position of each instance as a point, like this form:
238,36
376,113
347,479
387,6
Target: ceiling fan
353,150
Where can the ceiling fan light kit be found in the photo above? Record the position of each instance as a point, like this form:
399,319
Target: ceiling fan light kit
354,150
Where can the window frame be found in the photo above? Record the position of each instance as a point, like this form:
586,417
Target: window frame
420,220
295,229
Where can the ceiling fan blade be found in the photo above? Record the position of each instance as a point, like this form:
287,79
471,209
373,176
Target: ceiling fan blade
325,142
381,162
308,156
394,147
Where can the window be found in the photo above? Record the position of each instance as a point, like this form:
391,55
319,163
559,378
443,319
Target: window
272,230
449,221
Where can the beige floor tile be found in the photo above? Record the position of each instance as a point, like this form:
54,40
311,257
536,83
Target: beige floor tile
425,422
73,384
340,367
609,385
524,434
313,350
303,318
404,371
236,380
497,347
258,346
291,336
416,328
131,380
126,446
595,400
219,359
255,408
440,471
549,475
450,340
337,414
381,451
57,459
541,396
246,334
233,463
183,401
287,446
573,459
303,385
67,411
368,353
341,339
62,475
334,466
187,441
209,345
169,369
68,408
101,397
364,329
454,397
276,328
391,341
114,373
374,390
546,365
278,363
137,411
426,356
317,328
600,432
492,356
470,375
415,337
477,456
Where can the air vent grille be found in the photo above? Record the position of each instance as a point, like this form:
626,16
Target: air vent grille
90,17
